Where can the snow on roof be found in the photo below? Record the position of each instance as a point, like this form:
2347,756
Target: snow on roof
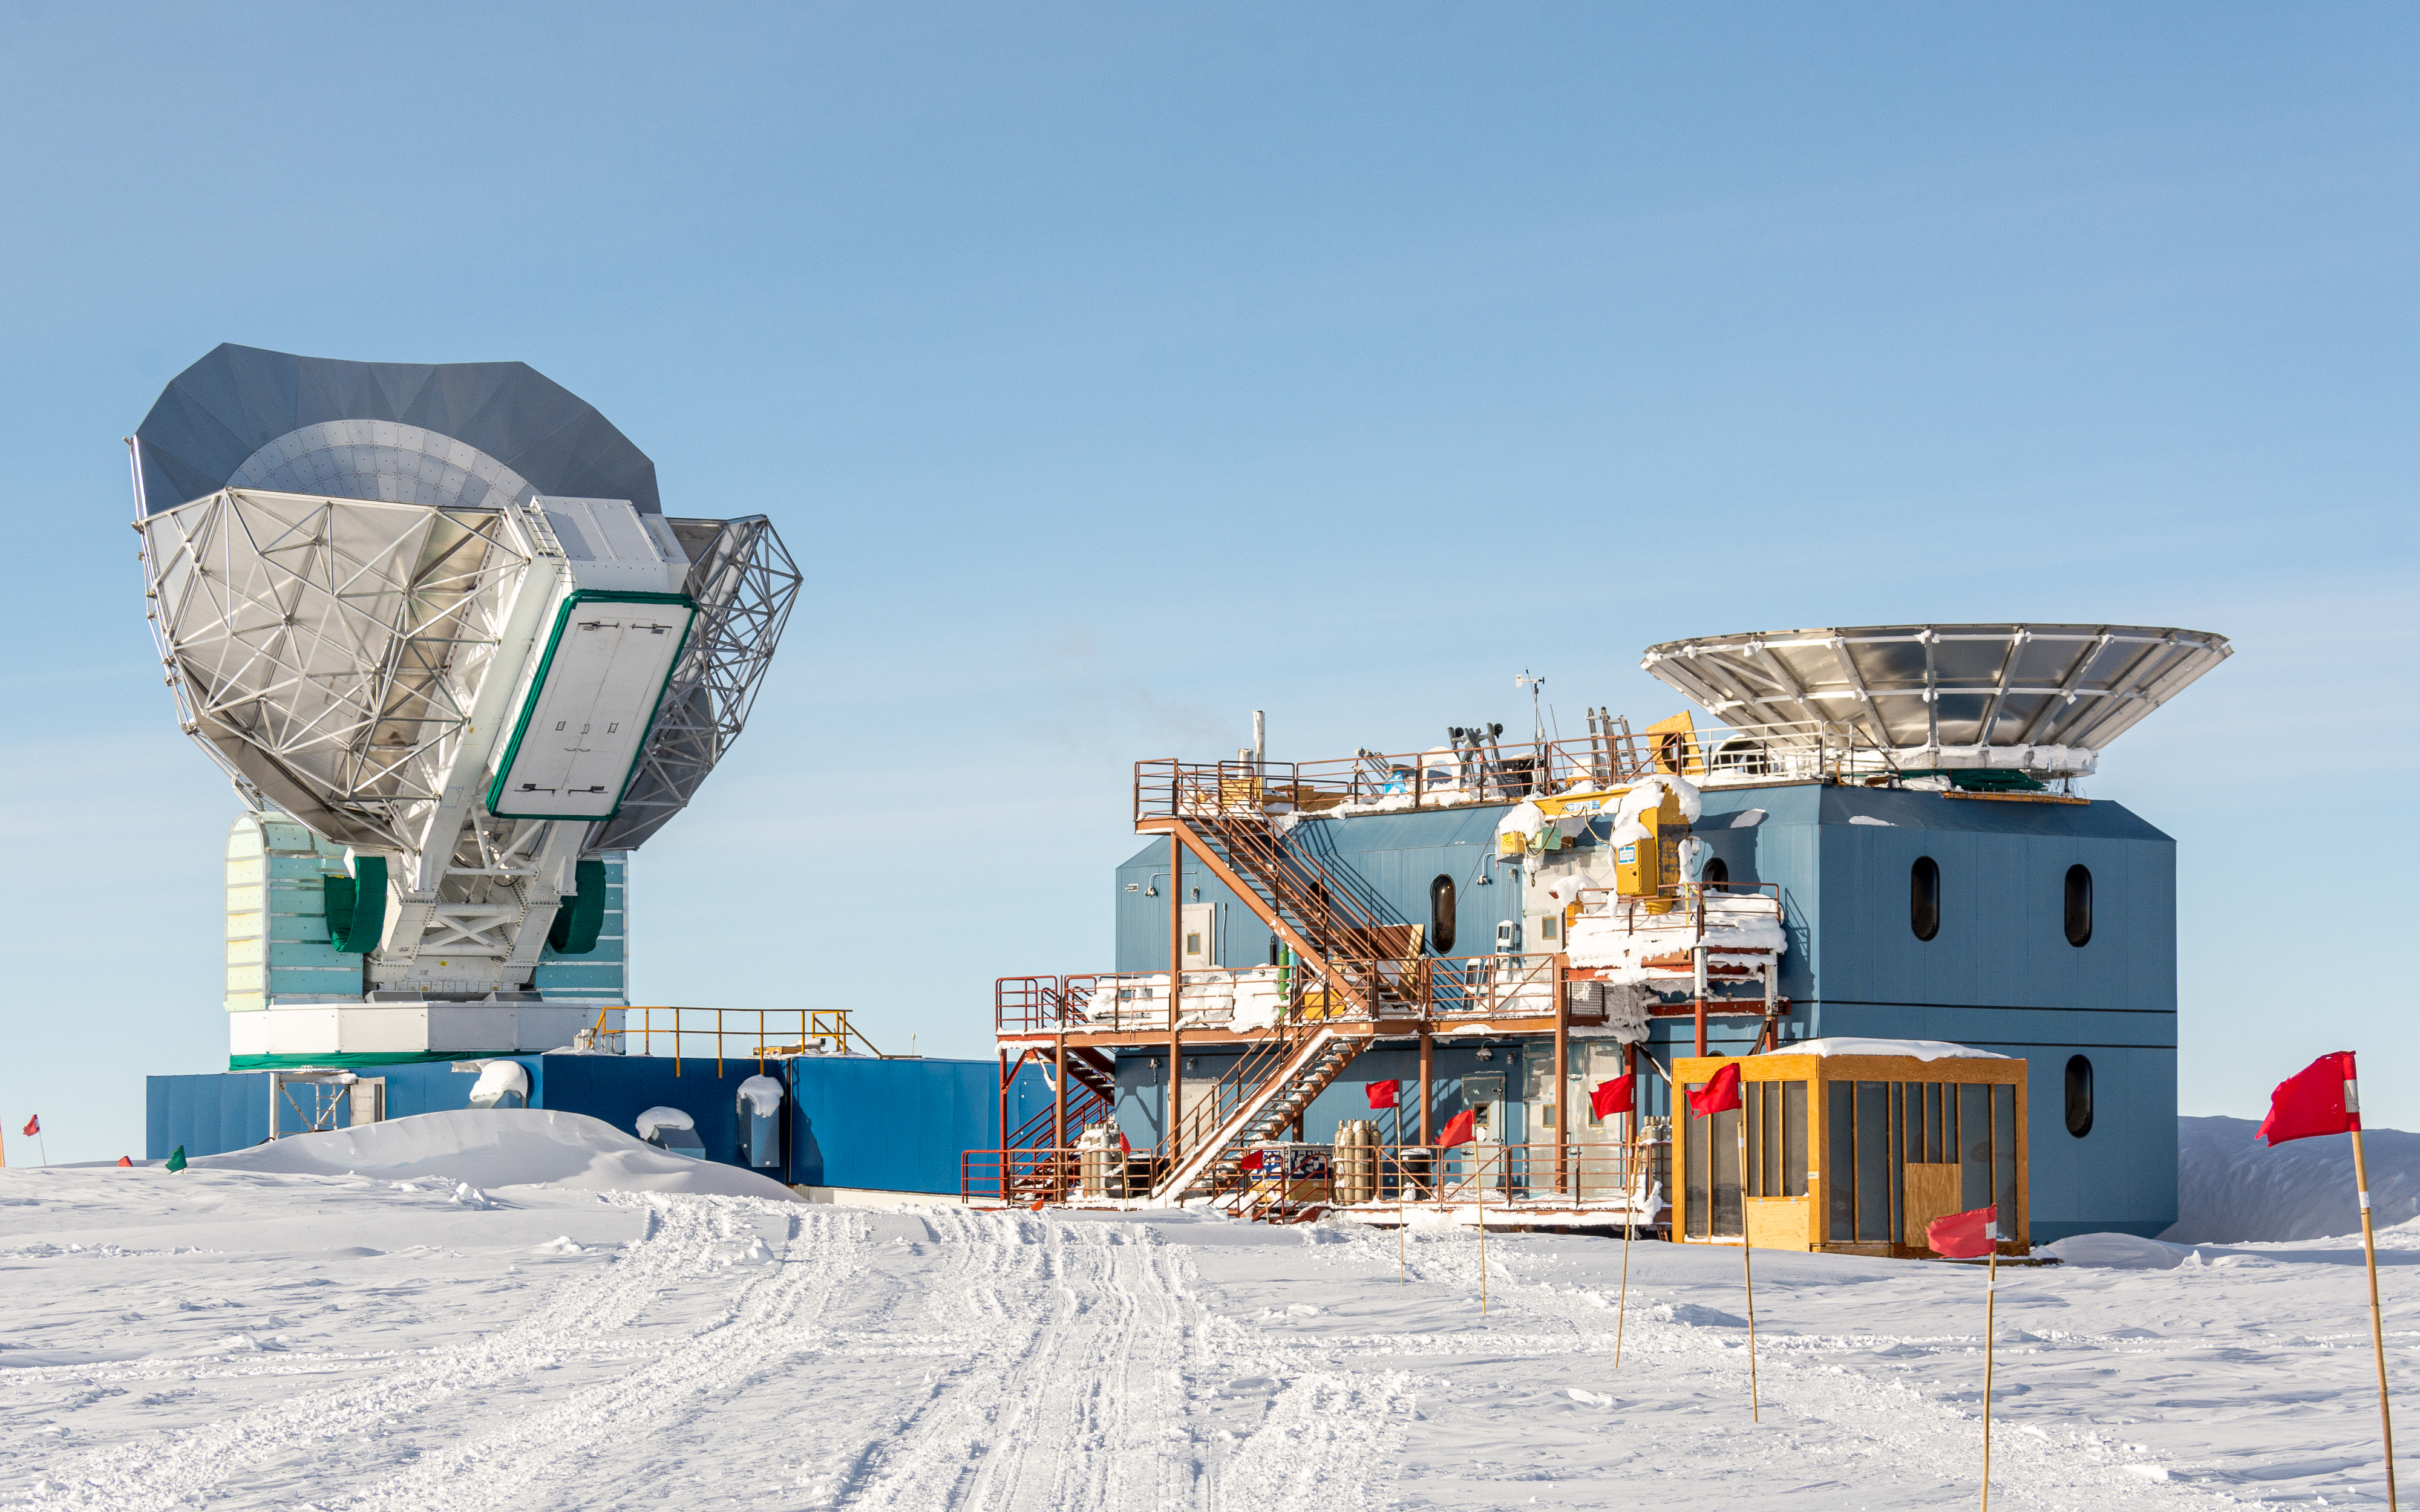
1915,1049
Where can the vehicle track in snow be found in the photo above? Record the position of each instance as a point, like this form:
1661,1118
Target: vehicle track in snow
1086,1343
286,1453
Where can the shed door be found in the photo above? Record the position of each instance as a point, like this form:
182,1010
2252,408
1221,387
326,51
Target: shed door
1200,924
370,1101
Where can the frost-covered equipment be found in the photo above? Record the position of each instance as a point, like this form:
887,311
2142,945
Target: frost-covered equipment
2038,699
1100,1162
502,1083
760,1122
670,1129
459,678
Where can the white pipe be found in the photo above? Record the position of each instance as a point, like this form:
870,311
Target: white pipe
1260,743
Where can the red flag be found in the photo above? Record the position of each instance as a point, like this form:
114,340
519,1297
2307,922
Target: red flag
1459,1128
1382,1094
1964,1236
34,1125
1719,1095
1254,1160
1619,1095
2320,1099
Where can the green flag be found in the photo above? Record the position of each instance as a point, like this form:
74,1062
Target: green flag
177,1159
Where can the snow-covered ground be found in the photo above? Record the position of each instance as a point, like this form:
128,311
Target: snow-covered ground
242,1338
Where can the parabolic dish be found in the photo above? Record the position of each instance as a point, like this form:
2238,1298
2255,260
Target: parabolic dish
2041,697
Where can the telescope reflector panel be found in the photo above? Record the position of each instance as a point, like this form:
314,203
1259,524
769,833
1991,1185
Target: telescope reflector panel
586,719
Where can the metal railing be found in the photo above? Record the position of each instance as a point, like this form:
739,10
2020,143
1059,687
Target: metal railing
1446,987
1055,1176
767,1033
1604,1181
1492,772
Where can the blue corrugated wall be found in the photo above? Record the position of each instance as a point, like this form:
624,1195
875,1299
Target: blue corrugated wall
888,1125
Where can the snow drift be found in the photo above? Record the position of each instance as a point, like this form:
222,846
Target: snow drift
2232,1190
498,1147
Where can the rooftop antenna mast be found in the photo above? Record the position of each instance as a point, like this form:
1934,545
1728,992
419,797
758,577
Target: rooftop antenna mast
1537,719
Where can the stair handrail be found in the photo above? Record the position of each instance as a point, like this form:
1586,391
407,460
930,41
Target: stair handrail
1185,1167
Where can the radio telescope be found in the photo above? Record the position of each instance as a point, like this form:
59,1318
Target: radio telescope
437,614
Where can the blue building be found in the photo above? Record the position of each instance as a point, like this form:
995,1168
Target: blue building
1929,873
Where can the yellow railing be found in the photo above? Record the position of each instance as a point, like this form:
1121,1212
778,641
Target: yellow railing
766,1032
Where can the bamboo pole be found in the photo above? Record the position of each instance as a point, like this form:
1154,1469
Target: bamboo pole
1629,1223
1747,1268
1401,1217
1990,1297
2377,1321
1481,1169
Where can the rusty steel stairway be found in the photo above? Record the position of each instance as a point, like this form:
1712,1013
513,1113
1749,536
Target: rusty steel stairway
1217,811
1364,966
1265,1100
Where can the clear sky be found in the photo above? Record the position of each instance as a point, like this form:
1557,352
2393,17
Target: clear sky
1117,370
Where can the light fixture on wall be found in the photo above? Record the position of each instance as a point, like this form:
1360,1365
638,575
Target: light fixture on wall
1486,1053
1192,1063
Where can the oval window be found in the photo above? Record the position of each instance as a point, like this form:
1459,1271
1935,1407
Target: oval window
1441,915
1718,874
1924,897
2079,905
2079,1093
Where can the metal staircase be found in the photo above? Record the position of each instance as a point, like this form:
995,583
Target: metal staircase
1265,1099
1360,964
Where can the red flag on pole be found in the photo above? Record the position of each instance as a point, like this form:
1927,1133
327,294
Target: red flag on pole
33,1125
1615,1096
1459,1129
1720,1095
2320,1099
1964,1236
1382,1094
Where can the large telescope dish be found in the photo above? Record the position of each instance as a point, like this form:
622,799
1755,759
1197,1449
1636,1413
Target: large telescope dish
399,603
2040,697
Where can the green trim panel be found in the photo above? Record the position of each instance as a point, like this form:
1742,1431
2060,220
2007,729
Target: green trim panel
357,907
385,1057
538,690
580,918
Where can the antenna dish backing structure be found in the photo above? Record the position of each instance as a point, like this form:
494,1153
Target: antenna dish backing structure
437,614
2042,698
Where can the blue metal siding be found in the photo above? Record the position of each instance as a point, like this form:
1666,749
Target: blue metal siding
2001,975
207,1114
891,1125
1396,856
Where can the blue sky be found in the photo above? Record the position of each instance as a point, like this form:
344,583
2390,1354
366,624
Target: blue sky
1115,371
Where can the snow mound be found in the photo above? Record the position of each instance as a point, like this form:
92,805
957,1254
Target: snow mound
2118,1252
498,1147
2231,1189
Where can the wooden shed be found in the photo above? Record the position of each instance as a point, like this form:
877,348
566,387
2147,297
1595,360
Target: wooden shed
1852,1145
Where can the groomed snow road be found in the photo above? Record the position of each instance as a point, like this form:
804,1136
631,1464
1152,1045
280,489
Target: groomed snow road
246,1340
